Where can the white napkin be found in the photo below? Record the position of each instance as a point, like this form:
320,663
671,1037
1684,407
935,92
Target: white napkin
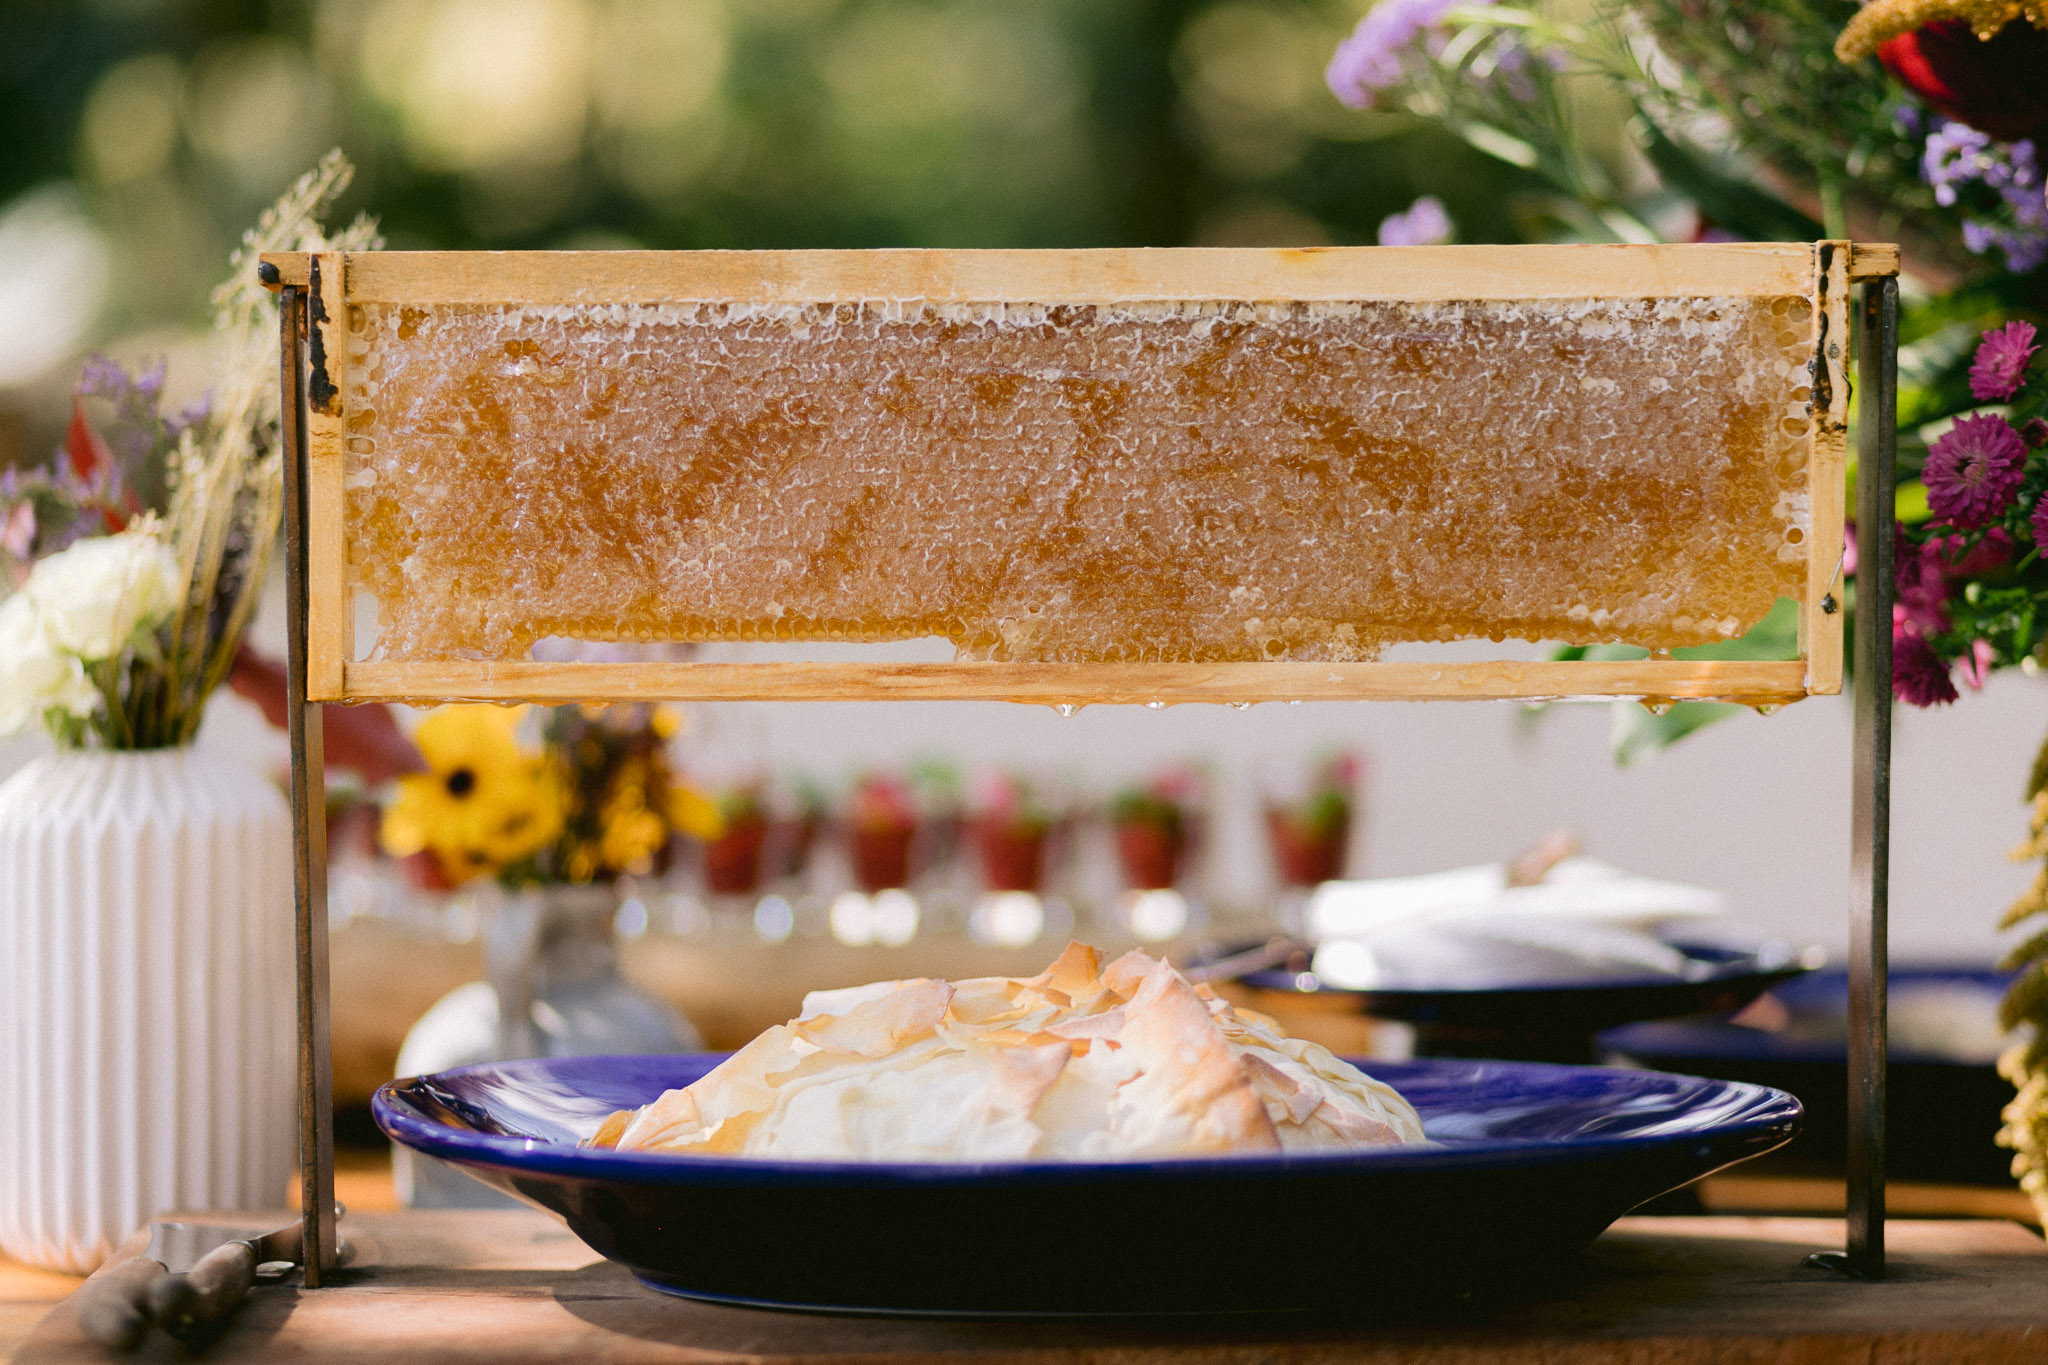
1467,929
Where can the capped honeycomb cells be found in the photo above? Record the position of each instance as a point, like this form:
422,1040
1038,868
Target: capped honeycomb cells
1173,481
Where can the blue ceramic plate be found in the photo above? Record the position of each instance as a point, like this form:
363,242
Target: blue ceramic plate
1940,1016
1529,1163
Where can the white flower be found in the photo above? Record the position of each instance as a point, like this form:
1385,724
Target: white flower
98,594
35,675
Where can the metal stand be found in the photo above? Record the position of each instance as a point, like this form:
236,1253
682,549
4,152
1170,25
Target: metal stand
1877,331
1870,809
309,824
1870,821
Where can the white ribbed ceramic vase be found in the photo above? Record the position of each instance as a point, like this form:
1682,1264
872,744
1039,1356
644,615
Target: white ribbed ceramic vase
146,1013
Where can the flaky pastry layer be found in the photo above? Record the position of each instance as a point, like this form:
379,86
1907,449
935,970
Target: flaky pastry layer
1080,1062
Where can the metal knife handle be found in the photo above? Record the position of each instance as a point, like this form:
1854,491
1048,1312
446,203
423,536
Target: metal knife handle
216,1282
112,1308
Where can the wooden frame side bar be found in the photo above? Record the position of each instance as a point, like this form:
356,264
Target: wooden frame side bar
1080,276
330,615
1821,611
1762,682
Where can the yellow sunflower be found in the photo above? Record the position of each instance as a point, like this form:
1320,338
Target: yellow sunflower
693,813
485,803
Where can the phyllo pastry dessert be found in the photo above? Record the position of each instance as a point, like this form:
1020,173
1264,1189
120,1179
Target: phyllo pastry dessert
1080,1062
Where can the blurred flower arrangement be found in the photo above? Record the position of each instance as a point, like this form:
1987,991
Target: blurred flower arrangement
1154,825
1311,834
593,801
1970,587
733,855
2025,1007
1794,119
1010,826
1970,578
881,822
135,558
1788,119
1917,120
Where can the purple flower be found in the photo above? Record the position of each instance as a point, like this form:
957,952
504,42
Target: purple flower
1958,156
2039,524
1423,223
2001,364
1919,677
191,415
1974,470
2035,433
1369,60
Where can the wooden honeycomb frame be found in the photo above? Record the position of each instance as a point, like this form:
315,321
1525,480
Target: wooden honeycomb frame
1821,272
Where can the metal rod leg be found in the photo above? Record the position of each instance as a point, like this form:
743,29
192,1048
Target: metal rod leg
1870,811
309,825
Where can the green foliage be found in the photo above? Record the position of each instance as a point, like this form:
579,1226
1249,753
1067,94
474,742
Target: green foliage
1736,204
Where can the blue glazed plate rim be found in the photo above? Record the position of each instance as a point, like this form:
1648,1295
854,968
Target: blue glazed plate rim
1766,1113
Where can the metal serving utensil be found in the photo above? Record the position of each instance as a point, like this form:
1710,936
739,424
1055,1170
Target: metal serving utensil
191,1276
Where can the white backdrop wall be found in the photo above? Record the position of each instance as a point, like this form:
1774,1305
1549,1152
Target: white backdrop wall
1755,806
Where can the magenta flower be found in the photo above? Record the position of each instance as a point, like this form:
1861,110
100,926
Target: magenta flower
2001,364
2035,433
2040,525
1974,470
1919,677
1960,560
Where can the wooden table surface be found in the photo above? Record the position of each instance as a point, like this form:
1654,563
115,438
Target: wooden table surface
513,1286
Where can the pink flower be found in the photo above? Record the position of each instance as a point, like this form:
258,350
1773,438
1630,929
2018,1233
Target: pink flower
2040,525
2001,364
1422,223
1974,470
1919,678
1976,663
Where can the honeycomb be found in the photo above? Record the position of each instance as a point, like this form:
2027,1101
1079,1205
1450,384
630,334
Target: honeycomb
1170,481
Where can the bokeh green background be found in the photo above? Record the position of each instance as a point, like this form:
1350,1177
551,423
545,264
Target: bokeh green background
159,128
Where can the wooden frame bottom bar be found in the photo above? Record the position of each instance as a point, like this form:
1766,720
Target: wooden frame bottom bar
1756,682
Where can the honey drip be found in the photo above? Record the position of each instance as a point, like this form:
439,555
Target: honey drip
1176,481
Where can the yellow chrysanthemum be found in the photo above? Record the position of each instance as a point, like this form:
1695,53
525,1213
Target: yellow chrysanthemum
1883,20
485,802
632,835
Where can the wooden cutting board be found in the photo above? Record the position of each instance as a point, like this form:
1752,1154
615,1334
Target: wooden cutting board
446,1287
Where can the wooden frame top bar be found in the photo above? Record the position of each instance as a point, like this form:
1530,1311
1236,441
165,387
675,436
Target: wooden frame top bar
1084,276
